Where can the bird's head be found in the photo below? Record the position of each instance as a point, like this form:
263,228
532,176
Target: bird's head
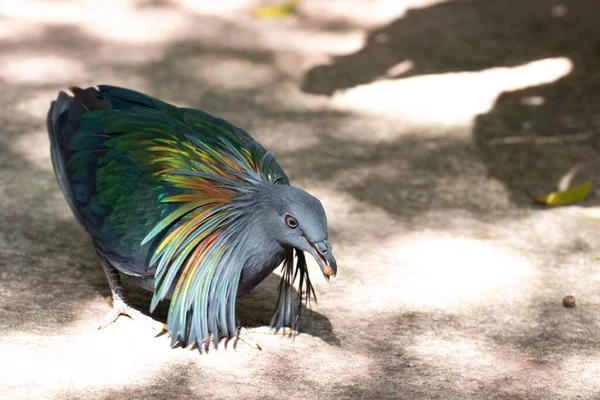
297,219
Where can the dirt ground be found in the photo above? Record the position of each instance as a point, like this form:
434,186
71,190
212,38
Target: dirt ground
423,126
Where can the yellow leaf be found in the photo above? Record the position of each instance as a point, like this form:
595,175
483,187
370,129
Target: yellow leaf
276,11
569,196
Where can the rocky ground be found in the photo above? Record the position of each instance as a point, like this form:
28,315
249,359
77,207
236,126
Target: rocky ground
424,126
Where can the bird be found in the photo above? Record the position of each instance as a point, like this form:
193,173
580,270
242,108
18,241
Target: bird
186,205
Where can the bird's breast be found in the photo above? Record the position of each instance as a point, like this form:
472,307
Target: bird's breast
258,267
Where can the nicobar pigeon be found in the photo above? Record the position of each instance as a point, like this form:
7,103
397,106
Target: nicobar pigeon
188,205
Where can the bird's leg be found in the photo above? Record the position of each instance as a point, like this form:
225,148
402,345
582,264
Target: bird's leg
119,304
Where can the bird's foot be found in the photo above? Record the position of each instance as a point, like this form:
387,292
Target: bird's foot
267,330
246,335
120,307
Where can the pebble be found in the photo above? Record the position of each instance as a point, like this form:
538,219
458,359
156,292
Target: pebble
569,301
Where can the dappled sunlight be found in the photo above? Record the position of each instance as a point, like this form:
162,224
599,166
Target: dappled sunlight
125,22
35,68
351,221
579,371
118,21
275,134
447,99
429,271
399,69
44,11
34,147
499,368
308,364
333,27
417,271
226,72
322,43
336,13
36,105
92,359
459,354
416,177
413,121
367,14
217,7
127,354
13,30
454,268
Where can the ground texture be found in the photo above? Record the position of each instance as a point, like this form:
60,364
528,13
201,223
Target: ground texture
423,126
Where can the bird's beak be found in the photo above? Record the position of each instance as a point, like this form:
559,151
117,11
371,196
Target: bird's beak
321,251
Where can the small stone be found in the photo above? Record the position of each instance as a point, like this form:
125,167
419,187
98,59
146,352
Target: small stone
569,301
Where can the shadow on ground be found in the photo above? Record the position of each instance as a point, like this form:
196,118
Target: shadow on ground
254,309
532,137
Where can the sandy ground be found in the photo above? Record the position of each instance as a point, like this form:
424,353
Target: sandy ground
421,125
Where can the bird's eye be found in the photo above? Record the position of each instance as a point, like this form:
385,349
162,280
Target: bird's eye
291,221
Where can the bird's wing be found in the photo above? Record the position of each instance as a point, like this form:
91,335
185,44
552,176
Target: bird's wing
152,183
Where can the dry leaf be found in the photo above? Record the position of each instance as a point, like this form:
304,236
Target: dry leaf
572,195
276,11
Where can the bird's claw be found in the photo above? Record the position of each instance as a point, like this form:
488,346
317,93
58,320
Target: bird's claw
119,307
111,317
287,331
